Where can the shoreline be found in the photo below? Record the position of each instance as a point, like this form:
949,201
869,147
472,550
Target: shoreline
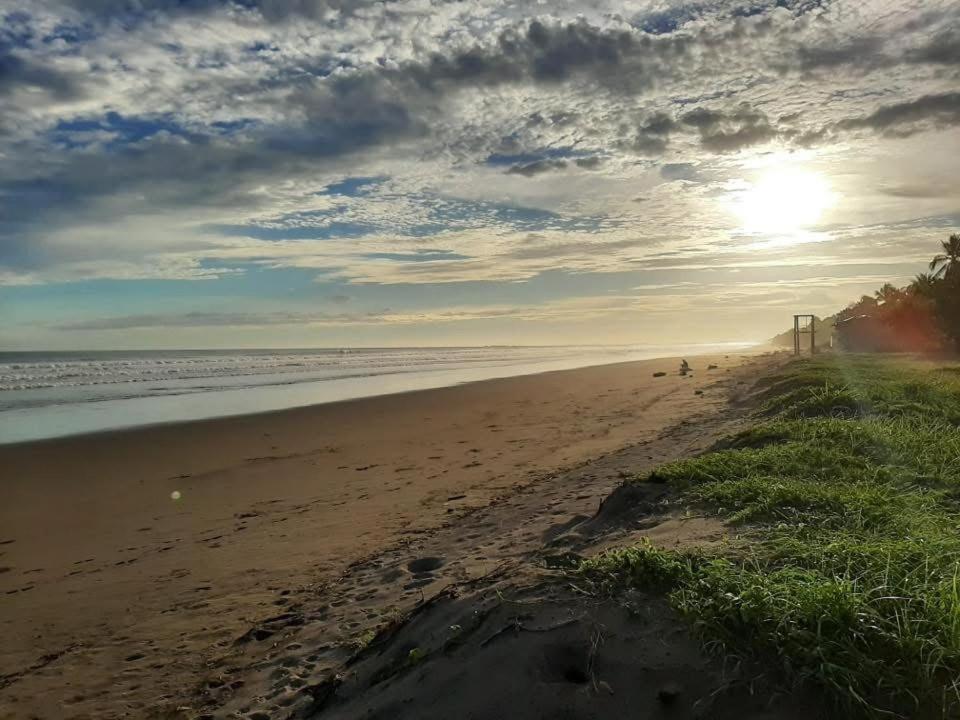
113,576
738,350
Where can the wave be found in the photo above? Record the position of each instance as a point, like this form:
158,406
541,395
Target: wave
172,370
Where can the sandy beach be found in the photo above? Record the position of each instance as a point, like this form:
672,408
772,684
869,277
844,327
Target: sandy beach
133,563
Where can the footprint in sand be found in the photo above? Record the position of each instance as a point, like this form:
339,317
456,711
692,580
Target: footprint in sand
422,570
425,564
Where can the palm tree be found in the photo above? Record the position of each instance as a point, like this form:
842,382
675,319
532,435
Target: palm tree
888,294
924,285
947,261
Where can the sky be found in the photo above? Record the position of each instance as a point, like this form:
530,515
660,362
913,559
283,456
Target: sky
298,173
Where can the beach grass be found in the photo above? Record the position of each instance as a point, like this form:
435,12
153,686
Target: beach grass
845,579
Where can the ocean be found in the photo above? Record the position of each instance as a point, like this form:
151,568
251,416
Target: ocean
52,394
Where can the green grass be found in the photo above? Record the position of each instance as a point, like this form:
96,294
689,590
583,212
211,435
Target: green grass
847,491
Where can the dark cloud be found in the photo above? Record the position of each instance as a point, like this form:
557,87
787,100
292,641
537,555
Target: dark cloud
545,53
537,168
862,53
339,118
722,131
943,49
652,136
590,163
330,116
341,114
703,119
355,110
678,171
17,73
128,7
917,191
542,52
270,10
909,117
275,10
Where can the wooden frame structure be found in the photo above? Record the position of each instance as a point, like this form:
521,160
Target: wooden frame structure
804,325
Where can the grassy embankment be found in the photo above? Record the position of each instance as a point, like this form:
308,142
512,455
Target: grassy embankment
845,578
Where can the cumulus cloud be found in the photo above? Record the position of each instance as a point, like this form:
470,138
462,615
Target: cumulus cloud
942,49
17,74
223,124
860,52
652,136
538,167
911,116
589,163
730,131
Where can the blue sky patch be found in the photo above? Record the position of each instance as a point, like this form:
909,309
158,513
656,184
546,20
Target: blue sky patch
128,130
443,214
668,21
71,34
15,31
354,186
230,127
325,231
498,159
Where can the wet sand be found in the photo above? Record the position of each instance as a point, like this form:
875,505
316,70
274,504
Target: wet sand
131,560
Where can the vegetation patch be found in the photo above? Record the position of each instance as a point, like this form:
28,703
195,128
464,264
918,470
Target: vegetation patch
847,488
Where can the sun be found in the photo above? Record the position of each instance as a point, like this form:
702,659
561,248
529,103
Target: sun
783,201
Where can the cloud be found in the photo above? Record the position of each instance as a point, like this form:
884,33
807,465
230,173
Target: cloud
918,191
561,309
539,52
678,171
912,116
537,168
269,10
722,131
18,74
546,165
859,52
234,118
589,163
942,49
220,319
652,136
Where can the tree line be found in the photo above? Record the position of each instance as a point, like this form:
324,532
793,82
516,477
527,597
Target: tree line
922,316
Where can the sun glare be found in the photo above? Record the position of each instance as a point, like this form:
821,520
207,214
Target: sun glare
783,201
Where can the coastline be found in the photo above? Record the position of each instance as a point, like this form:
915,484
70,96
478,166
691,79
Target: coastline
104,565
114,412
